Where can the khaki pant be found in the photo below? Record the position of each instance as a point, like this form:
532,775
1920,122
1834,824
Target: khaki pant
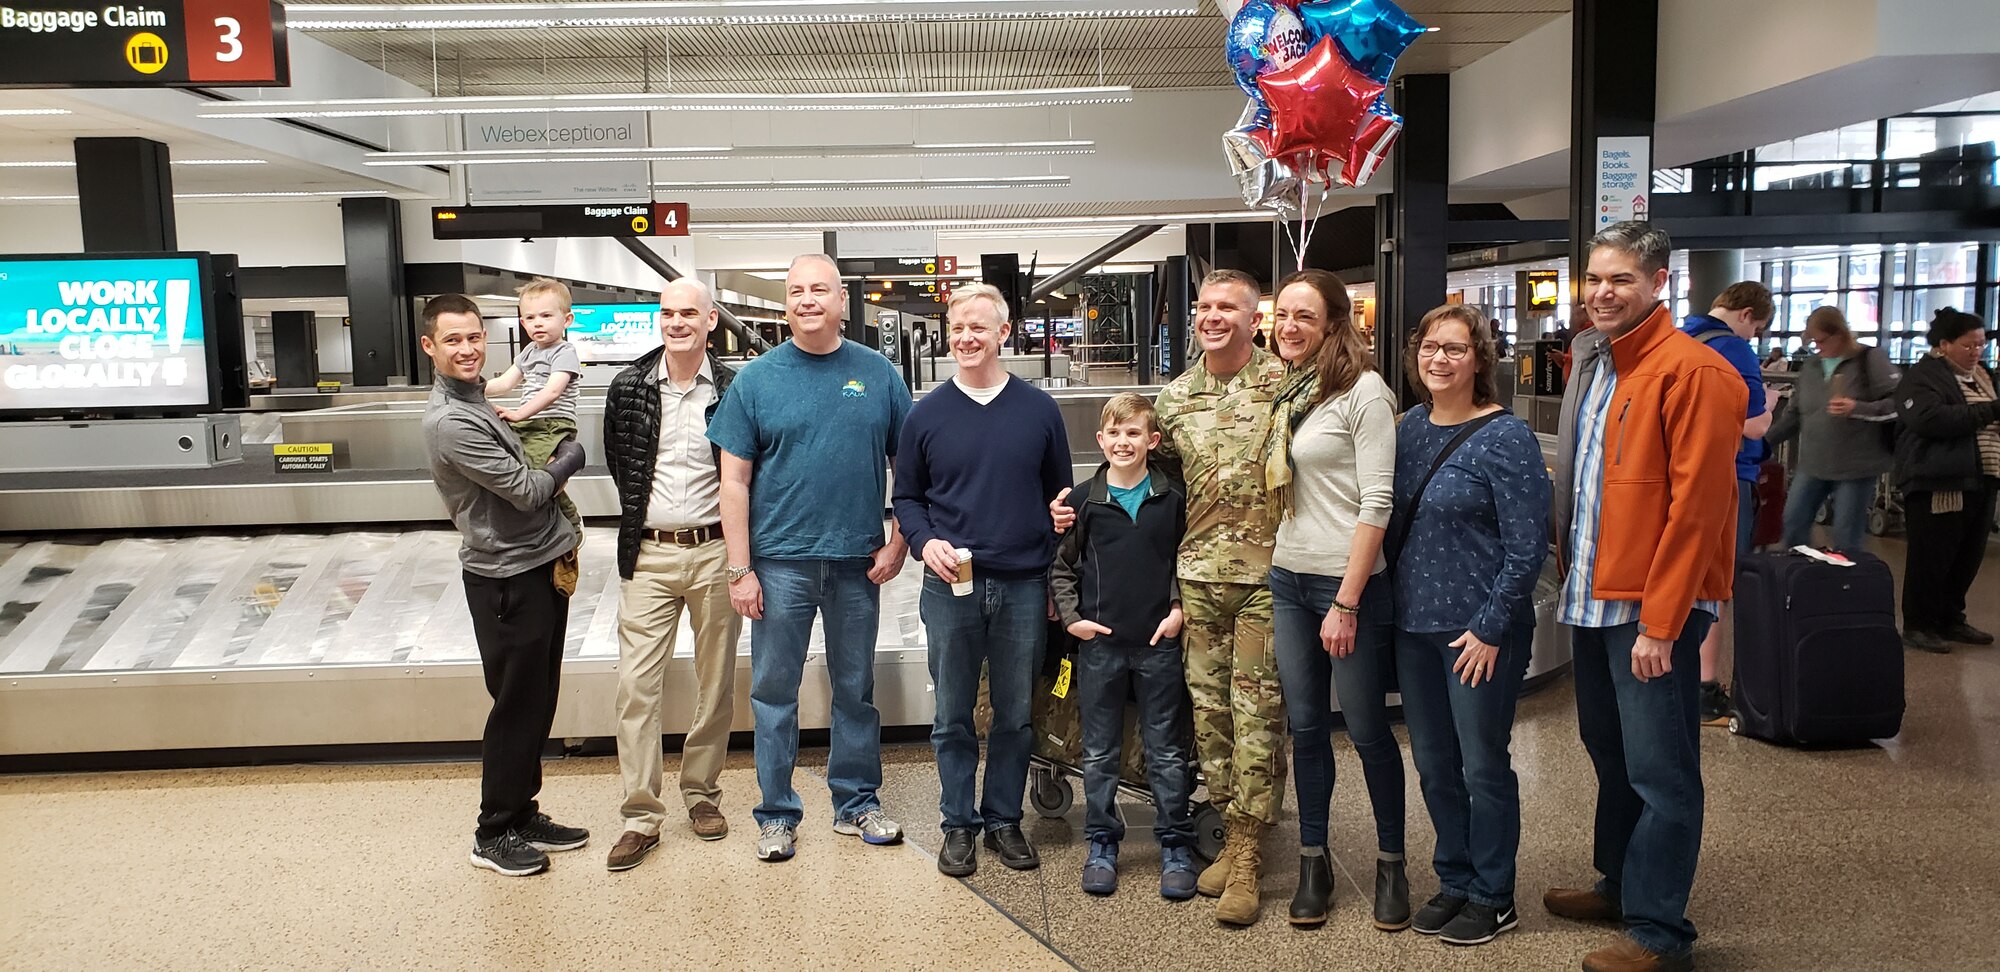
539,437
668,580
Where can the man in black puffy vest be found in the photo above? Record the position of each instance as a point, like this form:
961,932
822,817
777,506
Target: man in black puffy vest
673,562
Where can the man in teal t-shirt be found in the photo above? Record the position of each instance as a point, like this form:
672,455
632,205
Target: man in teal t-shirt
806,433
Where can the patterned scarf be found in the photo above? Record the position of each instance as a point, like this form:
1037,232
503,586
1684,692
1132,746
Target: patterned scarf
1977,387
1294,399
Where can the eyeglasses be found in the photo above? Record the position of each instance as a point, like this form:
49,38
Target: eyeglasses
1452,352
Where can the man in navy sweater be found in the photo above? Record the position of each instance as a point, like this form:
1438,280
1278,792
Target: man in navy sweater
979,461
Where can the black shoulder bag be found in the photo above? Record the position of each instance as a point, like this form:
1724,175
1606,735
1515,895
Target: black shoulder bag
1417,498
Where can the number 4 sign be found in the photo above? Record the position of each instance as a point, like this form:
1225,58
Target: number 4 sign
231,40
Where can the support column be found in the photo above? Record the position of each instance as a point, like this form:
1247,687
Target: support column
383,338
1709,273
295,344
125,192
1421,220
1180,304
1615,58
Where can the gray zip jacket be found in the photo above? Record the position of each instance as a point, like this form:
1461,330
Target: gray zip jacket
504,511
1841,447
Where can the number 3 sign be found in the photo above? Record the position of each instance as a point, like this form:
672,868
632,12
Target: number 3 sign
231,40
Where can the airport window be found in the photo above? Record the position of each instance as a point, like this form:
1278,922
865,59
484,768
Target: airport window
1888,294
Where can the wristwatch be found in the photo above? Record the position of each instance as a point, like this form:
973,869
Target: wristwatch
737,573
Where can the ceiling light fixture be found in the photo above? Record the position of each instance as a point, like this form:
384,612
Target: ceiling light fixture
693,13
23,112
71,163
739,101
288,194
1026,223
862,185
697,153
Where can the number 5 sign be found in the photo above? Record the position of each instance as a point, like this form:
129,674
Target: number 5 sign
233,40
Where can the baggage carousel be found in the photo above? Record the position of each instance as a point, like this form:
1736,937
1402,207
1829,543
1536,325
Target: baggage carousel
232,608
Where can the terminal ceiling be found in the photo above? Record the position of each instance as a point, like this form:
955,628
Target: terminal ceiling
1151,52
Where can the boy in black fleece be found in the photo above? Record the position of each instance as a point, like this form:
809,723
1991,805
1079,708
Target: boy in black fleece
1113,582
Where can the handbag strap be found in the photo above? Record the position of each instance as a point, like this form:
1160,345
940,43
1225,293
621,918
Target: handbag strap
1417,499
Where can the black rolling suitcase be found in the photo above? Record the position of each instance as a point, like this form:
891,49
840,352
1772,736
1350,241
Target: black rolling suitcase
1818,655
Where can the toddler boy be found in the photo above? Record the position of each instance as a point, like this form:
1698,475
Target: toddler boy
548,372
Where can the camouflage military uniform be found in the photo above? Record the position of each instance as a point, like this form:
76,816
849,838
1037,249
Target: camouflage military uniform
1215,430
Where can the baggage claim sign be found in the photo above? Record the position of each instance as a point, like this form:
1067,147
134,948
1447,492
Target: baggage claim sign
161,43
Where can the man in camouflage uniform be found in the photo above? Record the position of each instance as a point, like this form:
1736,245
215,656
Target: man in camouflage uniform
1213,423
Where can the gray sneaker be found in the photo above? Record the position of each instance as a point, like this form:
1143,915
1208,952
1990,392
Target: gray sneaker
872,826
776,841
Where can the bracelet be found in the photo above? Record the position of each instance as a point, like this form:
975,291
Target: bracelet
1344,609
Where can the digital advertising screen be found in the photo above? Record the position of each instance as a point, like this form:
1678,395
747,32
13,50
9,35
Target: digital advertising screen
104,334
614,333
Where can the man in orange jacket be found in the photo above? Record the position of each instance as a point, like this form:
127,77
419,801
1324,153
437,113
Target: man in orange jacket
1645,514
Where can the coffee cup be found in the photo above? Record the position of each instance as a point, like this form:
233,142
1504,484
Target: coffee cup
962,585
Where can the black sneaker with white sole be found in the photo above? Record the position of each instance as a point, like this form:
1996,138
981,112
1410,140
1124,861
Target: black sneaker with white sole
510,855
1437,913
545,834
1478,924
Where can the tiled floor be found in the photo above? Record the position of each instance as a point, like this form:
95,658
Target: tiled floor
1871,857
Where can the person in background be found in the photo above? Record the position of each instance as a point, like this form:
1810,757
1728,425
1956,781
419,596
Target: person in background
1331,469
673,563
1841,412
1473,536
513,535
548,373
979,460
807,432
1127,621
1948,467
1645,512
1775,361
1741,312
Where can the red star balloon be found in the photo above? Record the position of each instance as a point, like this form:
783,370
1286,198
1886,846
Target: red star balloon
1378,132
1318,106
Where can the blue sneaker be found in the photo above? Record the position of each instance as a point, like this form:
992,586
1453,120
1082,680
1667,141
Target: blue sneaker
1176,874
1100,871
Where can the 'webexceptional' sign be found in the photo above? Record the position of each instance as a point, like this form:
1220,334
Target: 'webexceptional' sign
161,43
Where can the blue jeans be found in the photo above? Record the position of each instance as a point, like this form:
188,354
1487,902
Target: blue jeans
1643,739
1458,738
1002,623
1362,682
1155,678
848,605
1851,499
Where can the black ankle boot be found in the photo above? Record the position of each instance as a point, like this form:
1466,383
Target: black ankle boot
1392,896
1315,891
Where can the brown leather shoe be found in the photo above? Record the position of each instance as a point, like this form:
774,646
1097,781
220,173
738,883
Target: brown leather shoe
1626,955
1583,904
709,823
631,848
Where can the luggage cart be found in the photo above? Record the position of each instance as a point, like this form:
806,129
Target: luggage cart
1052,792
1055,764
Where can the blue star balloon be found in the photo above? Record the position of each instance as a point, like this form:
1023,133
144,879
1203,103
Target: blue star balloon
1371,33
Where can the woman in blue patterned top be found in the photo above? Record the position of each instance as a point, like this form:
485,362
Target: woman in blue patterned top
1464,587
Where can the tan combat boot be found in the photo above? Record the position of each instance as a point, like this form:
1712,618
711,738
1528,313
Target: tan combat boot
1215,877
1239,902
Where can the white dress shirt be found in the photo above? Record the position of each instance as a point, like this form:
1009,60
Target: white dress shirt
687,486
